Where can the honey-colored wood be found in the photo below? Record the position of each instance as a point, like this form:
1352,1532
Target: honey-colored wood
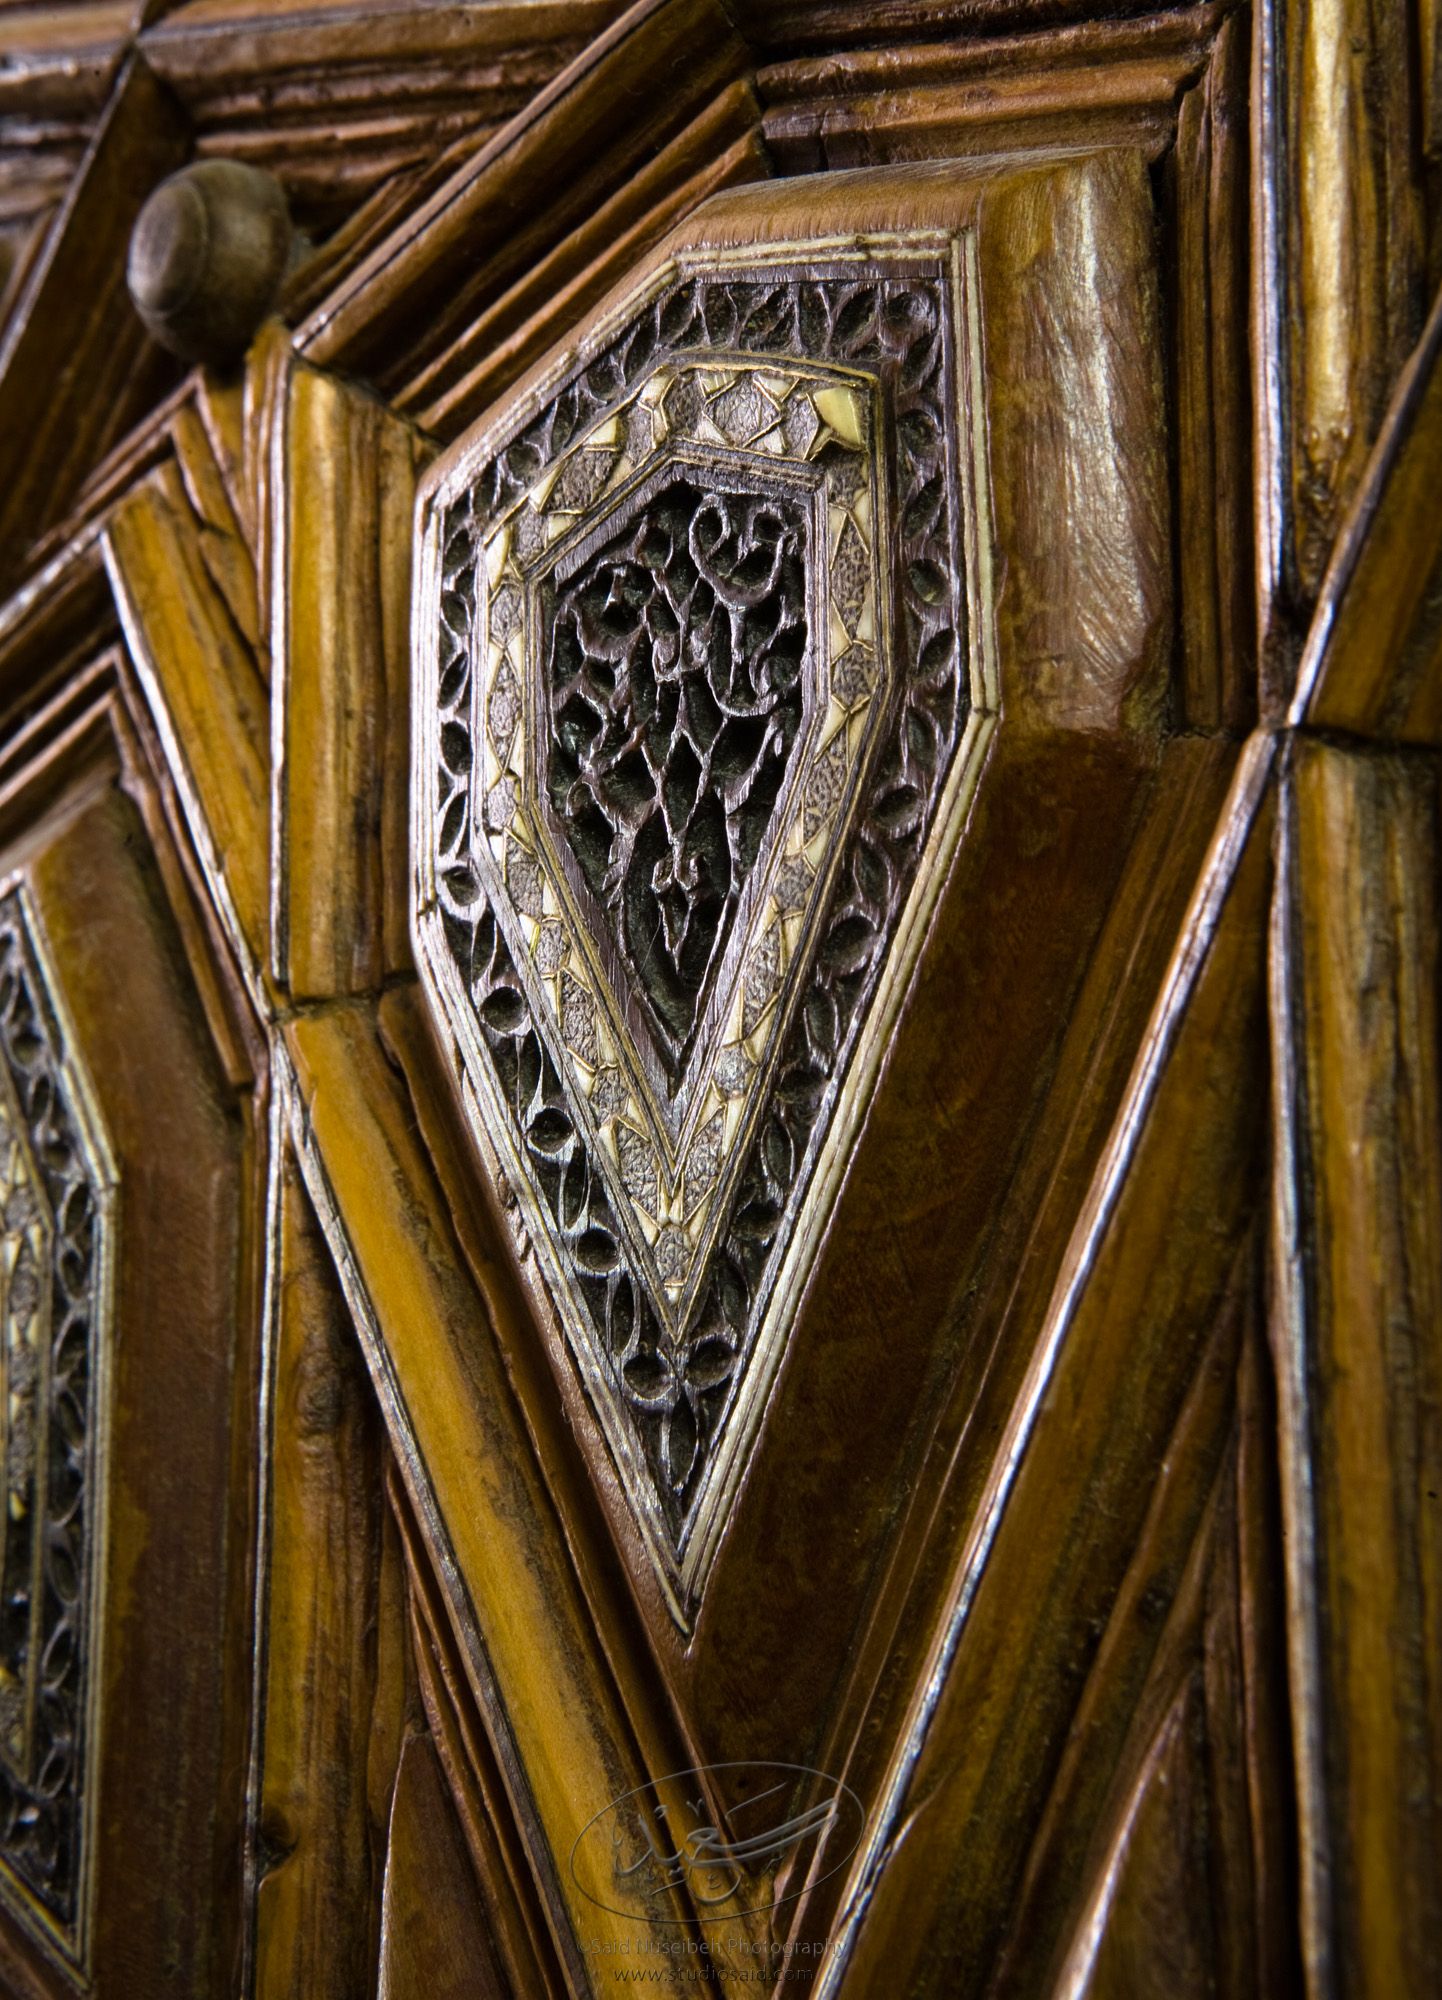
1356,246
204,692
564,1746
340,754
317,1902
1358,1204
1371,662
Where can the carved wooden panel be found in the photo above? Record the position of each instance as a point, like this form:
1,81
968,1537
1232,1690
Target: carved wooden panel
718,960
700,708
58,1206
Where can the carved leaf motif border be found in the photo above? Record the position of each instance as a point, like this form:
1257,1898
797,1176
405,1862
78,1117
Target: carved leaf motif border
57,1195
677,1342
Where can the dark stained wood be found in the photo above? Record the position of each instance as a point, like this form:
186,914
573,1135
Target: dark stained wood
990,94
1131,1316
1209,173
630,93
201,681
1177,1755
433,1943
181,1397
337,103
76,369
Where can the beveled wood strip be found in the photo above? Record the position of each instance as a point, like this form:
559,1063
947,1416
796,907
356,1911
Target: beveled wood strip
994,45
223,547
1107,1018
1373,660
1104,85
262,397
626,95
433,1945
789,29
214,49
1358,1305
1207,286
720,148
1153,1643
1261,1642
317,1904
1354,252
558,1729
514,1917
148,781
346,471
220,405
206,698
1338,264
57,64
1204,1902
658,1716
344,249
61,617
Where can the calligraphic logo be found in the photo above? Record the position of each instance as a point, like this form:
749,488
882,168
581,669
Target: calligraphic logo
673,1846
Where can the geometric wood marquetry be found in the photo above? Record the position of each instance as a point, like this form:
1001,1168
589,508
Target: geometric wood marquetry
778,1064
692,676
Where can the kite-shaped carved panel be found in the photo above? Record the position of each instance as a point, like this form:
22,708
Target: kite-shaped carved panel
696,694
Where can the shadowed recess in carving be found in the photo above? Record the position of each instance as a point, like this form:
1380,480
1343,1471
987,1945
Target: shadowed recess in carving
673,671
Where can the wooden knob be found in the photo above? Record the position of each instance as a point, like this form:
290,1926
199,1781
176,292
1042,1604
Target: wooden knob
207,256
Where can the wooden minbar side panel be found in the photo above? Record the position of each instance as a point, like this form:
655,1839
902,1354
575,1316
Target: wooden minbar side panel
719,1121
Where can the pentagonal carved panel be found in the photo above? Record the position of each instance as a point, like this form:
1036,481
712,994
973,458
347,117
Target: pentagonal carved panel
694,684
56,1193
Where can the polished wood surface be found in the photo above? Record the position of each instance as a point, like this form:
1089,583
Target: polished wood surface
1051,1468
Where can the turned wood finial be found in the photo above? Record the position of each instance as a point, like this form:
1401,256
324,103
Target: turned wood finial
207,255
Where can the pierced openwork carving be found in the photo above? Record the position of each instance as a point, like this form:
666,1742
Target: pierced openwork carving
693,683
56,1189
672,670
